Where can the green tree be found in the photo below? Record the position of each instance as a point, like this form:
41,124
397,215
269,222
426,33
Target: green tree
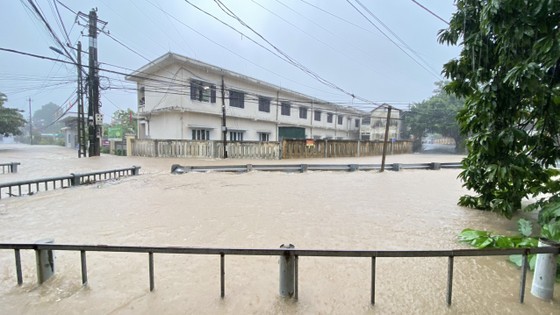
509,75
124,118
44,119
436,115
11,120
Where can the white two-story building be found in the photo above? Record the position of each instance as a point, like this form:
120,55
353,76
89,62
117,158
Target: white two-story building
181,98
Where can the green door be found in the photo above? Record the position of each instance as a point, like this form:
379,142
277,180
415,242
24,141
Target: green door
291,133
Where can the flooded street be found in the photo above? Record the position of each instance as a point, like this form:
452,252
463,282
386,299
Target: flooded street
407,210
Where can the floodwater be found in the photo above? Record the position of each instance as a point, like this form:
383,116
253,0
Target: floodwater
407,210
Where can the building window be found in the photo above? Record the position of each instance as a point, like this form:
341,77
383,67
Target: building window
236,99
201,134
203,91
141,97
264,136
236,136
303,112
264,104
340,119
318,115
329,117
366,121
285,108
357,123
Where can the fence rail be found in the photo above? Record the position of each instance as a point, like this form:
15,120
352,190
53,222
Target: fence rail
175,168
30,187
9,167
286,149
287,252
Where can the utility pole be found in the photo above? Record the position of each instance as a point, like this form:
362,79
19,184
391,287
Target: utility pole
81,117
30,124
94,118
386,138
224,128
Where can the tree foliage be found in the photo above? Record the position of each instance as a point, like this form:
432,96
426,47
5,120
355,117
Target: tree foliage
124,118
436,115
11,120
44,119
509,74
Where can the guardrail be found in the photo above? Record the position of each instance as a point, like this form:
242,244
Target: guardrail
285,252
9,167
178,169
30,187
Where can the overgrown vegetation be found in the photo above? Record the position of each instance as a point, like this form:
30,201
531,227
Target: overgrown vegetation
435,115
509,75
11,119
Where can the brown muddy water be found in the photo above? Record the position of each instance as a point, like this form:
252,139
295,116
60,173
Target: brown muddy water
407,210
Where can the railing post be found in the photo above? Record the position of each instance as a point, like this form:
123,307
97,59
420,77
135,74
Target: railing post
136,170
75,181
151,267
13,167
545,272
18,267
373,280
296,277
287,272
449,280
222,275
523,278
45,261
84,267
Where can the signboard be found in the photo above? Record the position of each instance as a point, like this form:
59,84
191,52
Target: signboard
115,133
309,142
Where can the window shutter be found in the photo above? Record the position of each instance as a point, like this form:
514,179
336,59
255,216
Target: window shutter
193,90
213,94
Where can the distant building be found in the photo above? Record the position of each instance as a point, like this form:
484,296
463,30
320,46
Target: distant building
182,98
373,127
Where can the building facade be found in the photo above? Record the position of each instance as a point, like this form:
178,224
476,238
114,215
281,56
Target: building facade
374,126
180,98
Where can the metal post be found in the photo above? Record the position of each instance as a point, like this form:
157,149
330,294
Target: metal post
296,277
386,138
45,261
18,267
151,267
545,272
84,267
13,167
523,278
287,272
449,280
222,275
372,280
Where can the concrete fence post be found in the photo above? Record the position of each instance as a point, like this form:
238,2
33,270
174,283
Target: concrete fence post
435,166
287,272
136,170
249,167
396,167
45,261
75,181
13,167
545,273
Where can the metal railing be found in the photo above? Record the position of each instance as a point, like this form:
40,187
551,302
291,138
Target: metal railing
312,167
30,187
9,167
295,253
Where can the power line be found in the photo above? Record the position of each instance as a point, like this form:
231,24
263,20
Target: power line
286,56
388,37
430,11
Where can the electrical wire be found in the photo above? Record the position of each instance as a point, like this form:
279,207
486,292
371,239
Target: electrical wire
389,38
431,12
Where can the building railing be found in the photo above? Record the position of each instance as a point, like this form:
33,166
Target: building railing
285,252
175,168
30,187
9,167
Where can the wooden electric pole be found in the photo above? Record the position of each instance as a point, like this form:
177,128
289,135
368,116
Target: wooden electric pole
386,138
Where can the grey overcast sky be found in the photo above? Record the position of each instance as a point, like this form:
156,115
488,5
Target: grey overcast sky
329,37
